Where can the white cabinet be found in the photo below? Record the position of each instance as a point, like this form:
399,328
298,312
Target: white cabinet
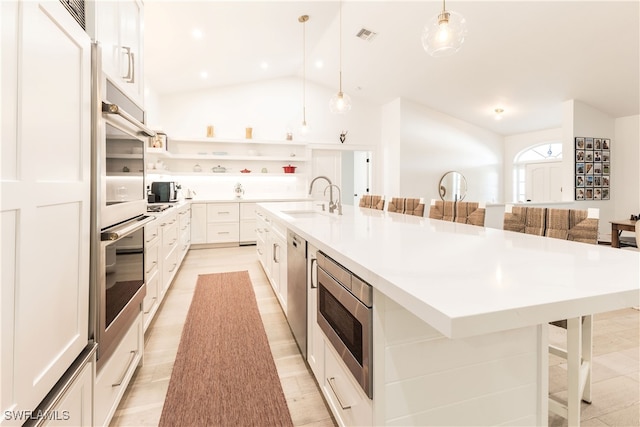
262,232
46,189
223,222
184,231
247,223
118,27
75,407
346,399
215,223
151,271
198,223
116,373
271,245
169,249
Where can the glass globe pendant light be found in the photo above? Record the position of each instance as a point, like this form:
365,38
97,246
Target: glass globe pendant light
445,33
340,102
304,128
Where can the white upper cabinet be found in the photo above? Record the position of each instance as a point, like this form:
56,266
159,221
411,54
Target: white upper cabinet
117,27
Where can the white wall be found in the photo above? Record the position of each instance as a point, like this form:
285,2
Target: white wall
425,144
271,107
625,173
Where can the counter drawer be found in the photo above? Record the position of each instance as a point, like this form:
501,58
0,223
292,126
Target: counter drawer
113,378
152,256
347,401
151,232
223,212
169,237
223,232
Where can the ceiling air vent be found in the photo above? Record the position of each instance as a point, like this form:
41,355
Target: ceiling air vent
366,35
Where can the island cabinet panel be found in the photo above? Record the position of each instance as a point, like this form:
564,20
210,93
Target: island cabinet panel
424,378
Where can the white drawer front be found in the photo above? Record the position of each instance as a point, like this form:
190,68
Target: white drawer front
152,299
169,237
223,232
151,232
151,253
223,212
115,374
348,402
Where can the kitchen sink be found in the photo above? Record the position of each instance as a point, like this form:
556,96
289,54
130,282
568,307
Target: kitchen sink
304,214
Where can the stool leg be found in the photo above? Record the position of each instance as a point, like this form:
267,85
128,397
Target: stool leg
587,355
574,338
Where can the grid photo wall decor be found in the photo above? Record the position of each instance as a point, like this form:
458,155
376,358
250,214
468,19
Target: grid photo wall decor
593,168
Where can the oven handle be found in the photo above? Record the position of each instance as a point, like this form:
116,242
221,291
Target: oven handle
118,232
115,109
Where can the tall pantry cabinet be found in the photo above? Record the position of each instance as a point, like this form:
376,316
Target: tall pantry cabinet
45,209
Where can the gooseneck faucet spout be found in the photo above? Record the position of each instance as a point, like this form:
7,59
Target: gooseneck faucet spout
330,190
337,203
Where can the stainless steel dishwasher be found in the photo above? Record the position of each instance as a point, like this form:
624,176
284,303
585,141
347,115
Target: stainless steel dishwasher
297,289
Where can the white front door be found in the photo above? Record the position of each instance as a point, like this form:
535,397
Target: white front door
543,182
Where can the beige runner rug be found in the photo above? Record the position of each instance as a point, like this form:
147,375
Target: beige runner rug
224,373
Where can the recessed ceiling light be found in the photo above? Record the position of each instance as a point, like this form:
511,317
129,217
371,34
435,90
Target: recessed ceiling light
498,112
319,63
197,33
264,65
204,74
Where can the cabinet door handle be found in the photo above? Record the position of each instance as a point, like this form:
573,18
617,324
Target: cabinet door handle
314,284
174,267
275,251
154,303
130,77
330,381
223,232
132,357
153,265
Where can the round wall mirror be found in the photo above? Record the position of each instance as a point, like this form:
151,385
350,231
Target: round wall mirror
452,187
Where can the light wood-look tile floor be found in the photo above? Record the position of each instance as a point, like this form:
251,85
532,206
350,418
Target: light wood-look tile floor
616,354
142,402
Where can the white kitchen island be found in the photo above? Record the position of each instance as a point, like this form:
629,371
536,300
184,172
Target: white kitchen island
460,312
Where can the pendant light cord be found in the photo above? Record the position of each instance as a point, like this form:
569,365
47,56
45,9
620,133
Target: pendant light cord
340,72
304,73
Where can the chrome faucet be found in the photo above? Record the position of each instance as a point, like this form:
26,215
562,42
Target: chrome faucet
325,190
337,204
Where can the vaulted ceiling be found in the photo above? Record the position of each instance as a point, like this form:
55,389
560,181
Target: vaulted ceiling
526,57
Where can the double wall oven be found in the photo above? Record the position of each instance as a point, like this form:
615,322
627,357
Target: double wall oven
118,211
345,316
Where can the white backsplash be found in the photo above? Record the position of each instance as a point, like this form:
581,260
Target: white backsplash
255,185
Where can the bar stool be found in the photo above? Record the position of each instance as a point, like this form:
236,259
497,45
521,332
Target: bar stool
524,219
396,205
470,213
377,202
414,207
579,226
442,210
365,201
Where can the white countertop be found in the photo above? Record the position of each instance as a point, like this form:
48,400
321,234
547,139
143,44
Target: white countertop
465,280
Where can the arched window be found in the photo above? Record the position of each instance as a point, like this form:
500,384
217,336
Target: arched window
536,173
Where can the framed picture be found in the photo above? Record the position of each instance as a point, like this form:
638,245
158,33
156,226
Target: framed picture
593,168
